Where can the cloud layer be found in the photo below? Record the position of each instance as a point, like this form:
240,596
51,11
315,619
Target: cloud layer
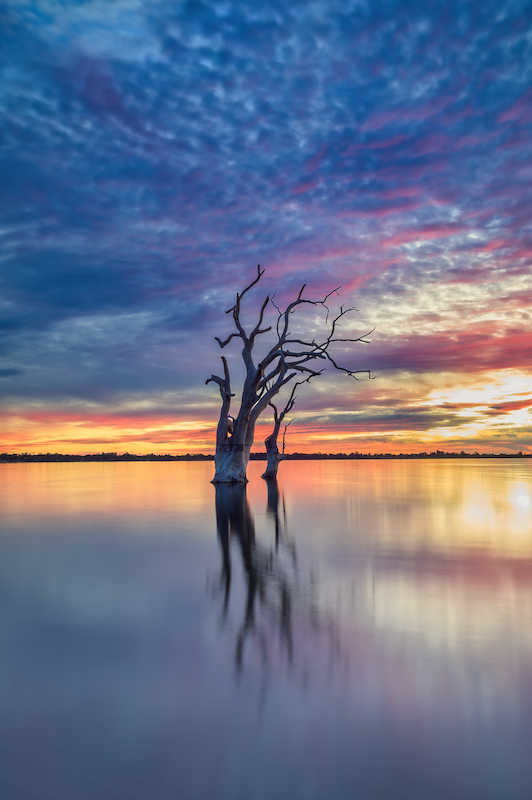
153,153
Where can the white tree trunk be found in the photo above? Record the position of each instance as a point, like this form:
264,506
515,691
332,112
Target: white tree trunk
274,457
231,463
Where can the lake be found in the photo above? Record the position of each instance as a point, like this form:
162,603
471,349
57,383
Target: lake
359,629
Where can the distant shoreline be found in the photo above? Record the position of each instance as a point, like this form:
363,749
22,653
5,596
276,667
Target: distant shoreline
13,458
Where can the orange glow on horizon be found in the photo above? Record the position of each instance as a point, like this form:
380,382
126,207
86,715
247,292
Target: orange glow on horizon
487,414
179,438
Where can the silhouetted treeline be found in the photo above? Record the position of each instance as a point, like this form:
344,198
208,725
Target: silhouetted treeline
102,457
46,457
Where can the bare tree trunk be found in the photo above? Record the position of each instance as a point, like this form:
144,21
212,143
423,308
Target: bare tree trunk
235,438
273,454
274,457
231,464
230,461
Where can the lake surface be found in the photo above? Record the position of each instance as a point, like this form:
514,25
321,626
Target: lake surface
357,630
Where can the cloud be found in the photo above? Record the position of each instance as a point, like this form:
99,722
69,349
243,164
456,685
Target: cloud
10,372
470,350
154,153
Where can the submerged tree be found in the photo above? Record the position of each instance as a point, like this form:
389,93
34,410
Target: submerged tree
273,454
288,357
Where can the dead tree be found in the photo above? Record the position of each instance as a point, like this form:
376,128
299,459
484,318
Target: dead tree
286,359
273,454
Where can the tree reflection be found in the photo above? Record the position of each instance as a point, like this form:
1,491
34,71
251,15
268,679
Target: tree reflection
281,622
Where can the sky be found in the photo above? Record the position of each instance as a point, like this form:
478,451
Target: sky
154,152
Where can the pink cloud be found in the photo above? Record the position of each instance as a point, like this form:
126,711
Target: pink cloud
398,191
475,349
510,405
402,115
434,142
521,110
316,160
306,186
382,145
496,244
383,211
438,231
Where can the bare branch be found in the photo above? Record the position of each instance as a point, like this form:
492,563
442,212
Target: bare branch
223,383
256,330
239,297
275,414
231,336
275,304
284,433
236,308
264,401
352,373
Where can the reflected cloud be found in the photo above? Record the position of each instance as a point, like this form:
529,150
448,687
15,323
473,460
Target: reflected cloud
384,633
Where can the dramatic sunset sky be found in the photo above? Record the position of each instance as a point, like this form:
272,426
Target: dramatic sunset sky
153,152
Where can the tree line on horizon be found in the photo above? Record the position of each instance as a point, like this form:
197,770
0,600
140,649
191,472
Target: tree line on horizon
35,457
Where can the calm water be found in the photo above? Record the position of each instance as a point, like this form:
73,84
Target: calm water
359,630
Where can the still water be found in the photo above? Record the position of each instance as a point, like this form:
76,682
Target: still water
357,630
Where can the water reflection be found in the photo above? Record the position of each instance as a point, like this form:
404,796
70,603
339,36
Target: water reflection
273,510
280,619
377,617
